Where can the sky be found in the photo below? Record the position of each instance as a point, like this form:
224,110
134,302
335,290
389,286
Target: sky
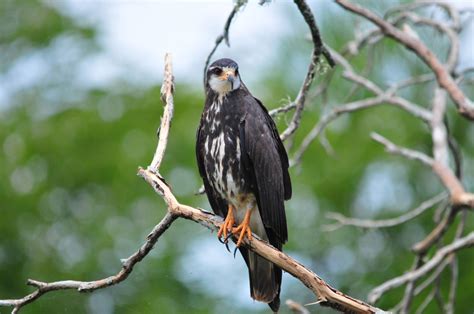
136,34
139,33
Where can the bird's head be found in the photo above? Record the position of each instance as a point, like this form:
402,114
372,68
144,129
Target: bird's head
223,76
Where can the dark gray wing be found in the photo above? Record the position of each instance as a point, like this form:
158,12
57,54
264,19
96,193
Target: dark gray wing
281,151
264,159
218,205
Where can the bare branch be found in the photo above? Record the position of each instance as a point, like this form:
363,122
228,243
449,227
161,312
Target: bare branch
390,98
350,74
301,98
382,97
318,42
421,309
459,197
410,287
453,13
424,78
383,223
328,118
464,105
315,60
441,254
449,308
224,36
408,153
454,39
434,276
320,89
435,234
167,90
282,109
88,286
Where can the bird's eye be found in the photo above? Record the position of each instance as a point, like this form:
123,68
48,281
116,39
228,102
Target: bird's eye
217,71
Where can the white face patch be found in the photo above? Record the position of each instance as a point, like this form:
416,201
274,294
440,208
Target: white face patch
221,85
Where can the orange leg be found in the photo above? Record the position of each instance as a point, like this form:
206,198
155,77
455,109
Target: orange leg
243,228
228,224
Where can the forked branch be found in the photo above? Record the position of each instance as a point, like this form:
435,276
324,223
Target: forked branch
444,78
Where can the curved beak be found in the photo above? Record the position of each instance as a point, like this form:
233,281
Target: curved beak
229,76
231,79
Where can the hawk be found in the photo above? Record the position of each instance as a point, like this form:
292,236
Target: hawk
244,167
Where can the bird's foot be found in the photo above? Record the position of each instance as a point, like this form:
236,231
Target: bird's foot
227,225
243,229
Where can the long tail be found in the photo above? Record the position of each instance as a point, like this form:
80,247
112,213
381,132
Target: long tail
265,279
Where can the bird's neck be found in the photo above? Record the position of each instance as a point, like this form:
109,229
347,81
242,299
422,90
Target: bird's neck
219,97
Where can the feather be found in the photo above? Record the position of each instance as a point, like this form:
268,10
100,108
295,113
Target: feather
266,164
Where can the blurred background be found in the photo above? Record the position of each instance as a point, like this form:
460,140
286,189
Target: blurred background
79,109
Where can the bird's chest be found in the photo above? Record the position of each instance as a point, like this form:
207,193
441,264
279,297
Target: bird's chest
222,152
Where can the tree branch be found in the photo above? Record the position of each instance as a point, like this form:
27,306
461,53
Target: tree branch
441,254
88,286
224,36
459,197
315,60
383,223
167,90
315,35
464,105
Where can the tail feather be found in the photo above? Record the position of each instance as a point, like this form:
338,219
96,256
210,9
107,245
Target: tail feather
265,280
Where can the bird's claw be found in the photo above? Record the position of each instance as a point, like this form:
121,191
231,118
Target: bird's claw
227,226
241,231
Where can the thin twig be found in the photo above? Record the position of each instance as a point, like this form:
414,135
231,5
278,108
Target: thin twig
440,229
410,287
421,309
224,36
423,78
408,153
441,254
350,74
282,109
318,50
301,98
409,7
453,265
328,118
432,277
383,223
88,286
459,197
464,105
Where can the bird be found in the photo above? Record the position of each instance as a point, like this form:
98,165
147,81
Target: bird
244,167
